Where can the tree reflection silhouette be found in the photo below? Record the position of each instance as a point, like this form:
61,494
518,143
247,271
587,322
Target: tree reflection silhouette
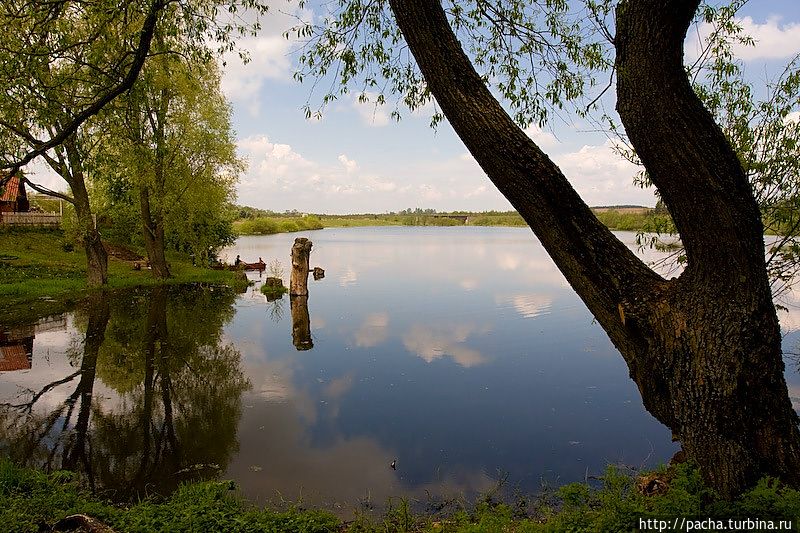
170,402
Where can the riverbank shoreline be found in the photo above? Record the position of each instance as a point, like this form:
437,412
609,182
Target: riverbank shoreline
32,500
42,268
640,219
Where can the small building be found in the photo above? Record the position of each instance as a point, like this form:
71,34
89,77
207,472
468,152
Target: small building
14,199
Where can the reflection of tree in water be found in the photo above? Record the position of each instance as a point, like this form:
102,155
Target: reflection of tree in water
179,395
275,309
301,323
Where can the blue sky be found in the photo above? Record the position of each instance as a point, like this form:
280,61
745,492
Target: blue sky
356,159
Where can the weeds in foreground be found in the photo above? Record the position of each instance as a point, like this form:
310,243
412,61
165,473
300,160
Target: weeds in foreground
31,500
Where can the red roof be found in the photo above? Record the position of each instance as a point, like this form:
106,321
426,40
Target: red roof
14,358
11,191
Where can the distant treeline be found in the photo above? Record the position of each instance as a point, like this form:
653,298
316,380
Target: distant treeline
252,221
263,225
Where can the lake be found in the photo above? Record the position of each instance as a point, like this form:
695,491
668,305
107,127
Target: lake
460,353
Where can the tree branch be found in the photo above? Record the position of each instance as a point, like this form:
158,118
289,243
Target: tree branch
48,192
139,57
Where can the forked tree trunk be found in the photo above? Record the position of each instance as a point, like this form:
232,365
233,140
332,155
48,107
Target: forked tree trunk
704,349
713,368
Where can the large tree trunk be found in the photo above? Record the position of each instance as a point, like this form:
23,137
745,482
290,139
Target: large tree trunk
714,336
704,349
96,256
154,242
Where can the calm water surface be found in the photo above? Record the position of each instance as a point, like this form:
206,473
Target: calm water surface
461,353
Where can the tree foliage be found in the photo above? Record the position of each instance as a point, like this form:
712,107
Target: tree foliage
539,56
66,60
171,134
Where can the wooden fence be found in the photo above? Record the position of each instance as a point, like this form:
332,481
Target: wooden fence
31,219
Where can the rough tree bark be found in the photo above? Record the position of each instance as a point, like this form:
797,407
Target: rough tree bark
704,349
301,252
154,242
71,169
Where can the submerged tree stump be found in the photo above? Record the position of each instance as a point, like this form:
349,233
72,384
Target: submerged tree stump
301,252
301,323
318,273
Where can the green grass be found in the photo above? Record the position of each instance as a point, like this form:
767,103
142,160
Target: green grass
31,500
269,226
272,291
616,220
38,264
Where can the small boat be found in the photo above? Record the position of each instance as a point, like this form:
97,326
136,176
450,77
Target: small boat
261,265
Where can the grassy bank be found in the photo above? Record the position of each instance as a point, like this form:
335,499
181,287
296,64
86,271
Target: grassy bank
271,225
622,220
33,501
38,264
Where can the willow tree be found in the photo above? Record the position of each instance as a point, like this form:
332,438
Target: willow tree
67,60
171,154
52,81
704,348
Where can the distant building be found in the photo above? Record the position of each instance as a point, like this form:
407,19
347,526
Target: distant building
14,199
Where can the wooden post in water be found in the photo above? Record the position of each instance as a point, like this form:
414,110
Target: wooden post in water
301,251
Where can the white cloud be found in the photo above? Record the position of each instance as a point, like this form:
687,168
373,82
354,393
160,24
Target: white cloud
477,191
40,173
349,165
269,59
429,192
773,40
431,343
269,54
373,330
602,177
280,178
544,139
